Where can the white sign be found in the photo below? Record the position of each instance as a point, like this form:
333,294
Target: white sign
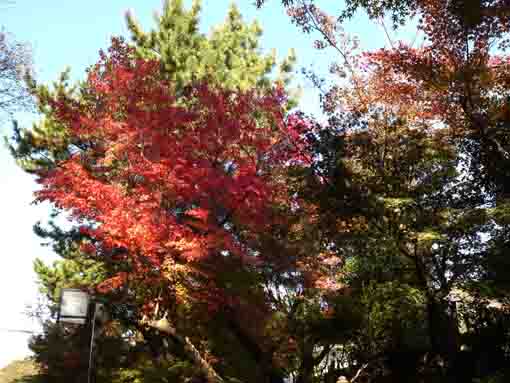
74,306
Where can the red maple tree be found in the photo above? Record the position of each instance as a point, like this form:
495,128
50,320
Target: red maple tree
172,181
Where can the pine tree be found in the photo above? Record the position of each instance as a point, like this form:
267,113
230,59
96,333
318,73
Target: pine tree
230,57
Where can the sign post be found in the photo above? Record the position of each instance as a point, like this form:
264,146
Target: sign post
74,307
89,373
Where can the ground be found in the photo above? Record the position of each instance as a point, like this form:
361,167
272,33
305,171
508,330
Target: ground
20,371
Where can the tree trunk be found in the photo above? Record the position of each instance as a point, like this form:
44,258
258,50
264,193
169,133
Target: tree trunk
204,367
307,366
443,333
270,373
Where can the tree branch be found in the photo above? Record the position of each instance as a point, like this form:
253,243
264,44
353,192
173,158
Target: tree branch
164,326
499,11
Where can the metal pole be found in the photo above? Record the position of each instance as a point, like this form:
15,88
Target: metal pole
91,344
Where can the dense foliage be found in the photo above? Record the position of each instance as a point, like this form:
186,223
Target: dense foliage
233,240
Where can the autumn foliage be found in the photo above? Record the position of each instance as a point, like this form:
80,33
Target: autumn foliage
265,245
166,178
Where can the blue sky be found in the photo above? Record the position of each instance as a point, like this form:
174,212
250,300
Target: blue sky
70,33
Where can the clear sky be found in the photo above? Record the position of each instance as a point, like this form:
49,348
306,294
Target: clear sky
70,33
